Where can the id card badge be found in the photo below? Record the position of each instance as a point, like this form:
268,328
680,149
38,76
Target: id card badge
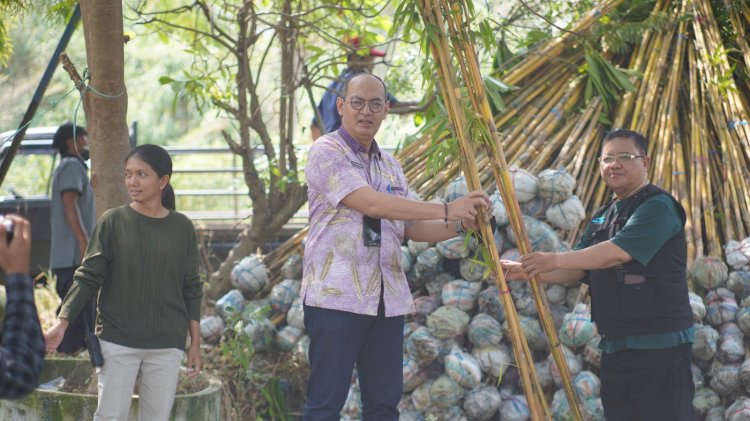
371,231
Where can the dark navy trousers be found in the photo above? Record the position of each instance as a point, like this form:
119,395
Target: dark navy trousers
338,341
648,384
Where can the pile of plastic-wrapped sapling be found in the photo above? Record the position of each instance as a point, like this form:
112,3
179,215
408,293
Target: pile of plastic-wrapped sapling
458,363
721,309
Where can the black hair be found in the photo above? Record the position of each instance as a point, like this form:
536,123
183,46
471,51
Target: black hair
345,88
160,161
641,143
65,133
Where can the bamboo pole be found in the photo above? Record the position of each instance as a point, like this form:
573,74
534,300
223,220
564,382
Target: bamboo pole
433,18
467,58
725,109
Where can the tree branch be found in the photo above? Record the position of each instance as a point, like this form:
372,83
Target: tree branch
209,17
233,146
216,38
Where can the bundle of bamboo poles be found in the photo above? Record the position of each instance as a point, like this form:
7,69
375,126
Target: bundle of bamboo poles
434,15
466,57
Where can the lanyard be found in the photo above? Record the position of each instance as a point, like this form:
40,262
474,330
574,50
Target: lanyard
358,151
366,168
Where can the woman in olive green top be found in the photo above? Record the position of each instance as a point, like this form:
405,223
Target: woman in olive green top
142,260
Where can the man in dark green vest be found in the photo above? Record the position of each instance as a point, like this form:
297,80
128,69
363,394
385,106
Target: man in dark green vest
633,256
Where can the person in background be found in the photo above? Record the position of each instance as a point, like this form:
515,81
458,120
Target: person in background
22,349
356,63
142,260
72,219
354,291
633,256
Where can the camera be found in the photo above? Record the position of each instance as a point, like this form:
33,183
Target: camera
8,226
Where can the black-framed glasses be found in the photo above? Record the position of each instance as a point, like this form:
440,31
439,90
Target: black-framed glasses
621,157
376,105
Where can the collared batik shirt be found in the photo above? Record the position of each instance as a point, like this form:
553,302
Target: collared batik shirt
340,272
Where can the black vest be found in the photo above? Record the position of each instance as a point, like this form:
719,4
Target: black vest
633,299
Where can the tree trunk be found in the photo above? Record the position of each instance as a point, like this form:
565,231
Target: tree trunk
273,204
106,104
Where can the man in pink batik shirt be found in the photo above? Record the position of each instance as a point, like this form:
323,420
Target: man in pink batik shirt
353,289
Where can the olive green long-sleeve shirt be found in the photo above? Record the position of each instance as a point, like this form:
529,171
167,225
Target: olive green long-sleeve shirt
145,271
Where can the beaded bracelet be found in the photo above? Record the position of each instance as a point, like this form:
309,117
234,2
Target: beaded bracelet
445,206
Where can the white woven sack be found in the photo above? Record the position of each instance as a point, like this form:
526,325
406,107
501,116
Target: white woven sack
698,307
287,337
575,364
283,294
524,183
556,185
735,257
250,276
301,351
421,397
709,272
463,368
231,304
566,215
514,408
261,332
739,410
417,247
493,360
498,209
292,268
296,315
445,392
455,189
211,328
482,402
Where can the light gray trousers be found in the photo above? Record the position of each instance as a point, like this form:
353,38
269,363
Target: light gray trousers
159,369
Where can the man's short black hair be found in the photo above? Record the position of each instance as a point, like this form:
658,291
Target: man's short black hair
345,88
63,134
641,143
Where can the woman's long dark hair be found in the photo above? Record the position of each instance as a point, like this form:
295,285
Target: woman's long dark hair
160,161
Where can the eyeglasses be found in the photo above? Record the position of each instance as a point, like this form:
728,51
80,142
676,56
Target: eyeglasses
376,105
621,157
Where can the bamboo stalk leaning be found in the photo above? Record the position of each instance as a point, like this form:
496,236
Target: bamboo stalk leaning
467,57
432,14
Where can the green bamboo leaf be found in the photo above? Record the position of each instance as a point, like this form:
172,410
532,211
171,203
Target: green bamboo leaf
487,34
432,35
496,99
497,84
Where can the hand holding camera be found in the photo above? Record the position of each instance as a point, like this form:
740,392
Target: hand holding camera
15,248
